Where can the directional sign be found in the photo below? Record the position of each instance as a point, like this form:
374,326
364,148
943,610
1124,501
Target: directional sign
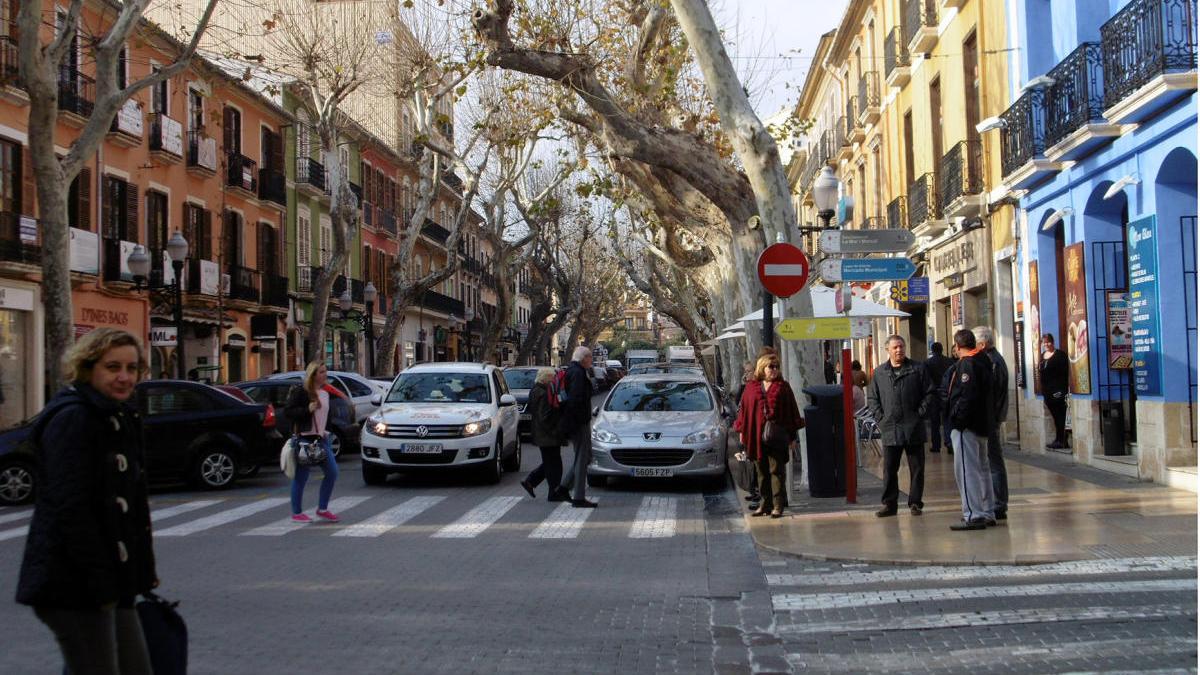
867,269
866,241
826,328
783,270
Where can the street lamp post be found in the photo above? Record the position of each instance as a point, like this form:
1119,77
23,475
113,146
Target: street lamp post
365,321
139,267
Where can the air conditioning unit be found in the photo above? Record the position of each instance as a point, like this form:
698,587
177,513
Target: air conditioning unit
225,284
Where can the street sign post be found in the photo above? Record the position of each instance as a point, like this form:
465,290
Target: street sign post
867,241
783,270
867,269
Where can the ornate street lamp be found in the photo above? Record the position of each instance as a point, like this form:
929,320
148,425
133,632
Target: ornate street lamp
365,321
139,266
825,194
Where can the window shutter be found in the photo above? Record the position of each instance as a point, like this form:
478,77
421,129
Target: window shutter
228,239
230,131
206,234
261,246
131,213
107,228
277,152
28,185
84,192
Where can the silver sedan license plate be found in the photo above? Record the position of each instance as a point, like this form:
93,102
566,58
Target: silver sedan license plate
421,448
653,472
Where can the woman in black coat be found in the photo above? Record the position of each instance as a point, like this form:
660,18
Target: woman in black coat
89,552
544,421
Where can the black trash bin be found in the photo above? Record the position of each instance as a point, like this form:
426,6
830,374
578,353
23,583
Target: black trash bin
824,429
1112,427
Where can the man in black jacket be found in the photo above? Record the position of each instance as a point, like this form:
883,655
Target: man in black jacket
995,449
937,365
971,413
900,396
1054,369
575,425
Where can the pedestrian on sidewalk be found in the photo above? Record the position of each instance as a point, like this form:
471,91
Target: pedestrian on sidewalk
745,464
1054,369
901,396
995,448
89,552
937,365
544,419
575,425
767,423
308,409
971,414
858,376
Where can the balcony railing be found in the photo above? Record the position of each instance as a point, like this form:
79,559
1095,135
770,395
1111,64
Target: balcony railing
386,221
243,172
962,172
840,137
306,276
166,135
897,213
272,186
310,172
895,52
852,113
868,93
244,283
1024,135
9,60
442,303
19,241
919,15
202,151
275,290
923,204
435,232
1146,39
76,92
1077,95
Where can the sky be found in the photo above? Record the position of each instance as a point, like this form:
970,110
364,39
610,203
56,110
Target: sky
775,42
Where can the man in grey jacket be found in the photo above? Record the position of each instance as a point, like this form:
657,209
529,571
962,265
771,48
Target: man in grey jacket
995,451
900,396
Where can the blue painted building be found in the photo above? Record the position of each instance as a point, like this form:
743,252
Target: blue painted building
1099,154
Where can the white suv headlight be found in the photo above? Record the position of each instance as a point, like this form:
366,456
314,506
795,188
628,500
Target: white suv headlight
603,435
376,425
476,428
704,436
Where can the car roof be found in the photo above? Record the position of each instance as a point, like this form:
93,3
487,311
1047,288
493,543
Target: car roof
451,367
508,368
661,377
277,381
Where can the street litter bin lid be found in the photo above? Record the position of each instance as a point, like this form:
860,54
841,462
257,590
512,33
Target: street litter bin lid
820,391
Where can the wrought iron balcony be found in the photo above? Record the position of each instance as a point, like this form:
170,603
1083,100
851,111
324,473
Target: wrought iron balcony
275,290
203,277
897,213
435,232
9,61
127,126
272,186
76,92
923,204
896,61
20,242
202,153
961,174
386,221
1145,40
840,138
310,175
920,25
244,283
242,173
1077,96
868,98
1023,137
306,276
854,128
166,137
442,303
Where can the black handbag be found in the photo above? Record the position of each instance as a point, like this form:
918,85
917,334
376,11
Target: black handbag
309,451
774,434
166,634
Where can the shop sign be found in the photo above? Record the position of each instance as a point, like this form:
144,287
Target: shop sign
104,317
163,336
1078,334
958,257
914,290
956,310
85,251
29,230
1035,325
1120,330
16,298
1143,304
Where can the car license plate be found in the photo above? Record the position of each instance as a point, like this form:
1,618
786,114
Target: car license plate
421,448
653,472
526,417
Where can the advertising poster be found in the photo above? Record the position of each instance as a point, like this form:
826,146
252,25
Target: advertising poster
956,310
1078,332
1035,326
1120,331
1019,340
1143,305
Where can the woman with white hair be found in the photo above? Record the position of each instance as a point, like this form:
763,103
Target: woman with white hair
576,425
544,418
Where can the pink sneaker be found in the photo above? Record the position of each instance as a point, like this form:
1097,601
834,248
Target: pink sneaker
328,515
301,518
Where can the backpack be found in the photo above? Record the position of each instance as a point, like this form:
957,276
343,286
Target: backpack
556,389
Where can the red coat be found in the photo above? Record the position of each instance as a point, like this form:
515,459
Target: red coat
752,414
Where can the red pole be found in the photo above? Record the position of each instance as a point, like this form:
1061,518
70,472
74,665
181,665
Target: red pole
848,435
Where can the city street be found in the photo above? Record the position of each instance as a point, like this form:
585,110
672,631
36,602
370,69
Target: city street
442,574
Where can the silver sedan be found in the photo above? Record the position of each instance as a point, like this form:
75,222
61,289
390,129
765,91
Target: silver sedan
659,426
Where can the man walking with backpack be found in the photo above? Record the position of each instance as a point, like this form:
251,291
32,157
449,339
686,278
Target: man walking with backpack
575,425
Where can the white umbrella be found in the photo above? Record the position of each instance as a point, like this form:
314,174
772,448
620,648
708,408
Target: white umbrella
824,305
733,335
734,327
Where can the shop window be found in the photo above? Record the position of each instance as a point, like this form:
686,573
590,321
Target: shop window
14,367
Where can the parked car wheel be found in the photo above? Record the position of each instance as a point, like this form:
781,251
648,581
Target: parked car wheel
513,463
215,469
336,443
16,483
597,481
373,475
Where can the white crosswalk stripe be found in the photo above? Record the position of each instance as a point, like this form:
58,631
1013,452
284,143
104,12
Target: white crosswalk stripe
788,602
655,518
180,509
477,519
565,522
287,525
222,518
13,517
13,534
390,519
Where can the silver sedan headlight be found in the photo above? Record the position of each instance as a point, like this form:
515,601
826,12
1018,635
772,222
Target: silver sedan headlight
705,436
476,428
602,435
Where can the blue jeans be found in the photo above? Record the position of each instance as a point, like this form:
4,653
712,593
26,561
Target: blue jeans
329,468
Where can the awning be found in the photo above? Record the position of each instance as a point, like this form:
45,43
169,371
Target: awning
708,351
824,305
734,335
735,326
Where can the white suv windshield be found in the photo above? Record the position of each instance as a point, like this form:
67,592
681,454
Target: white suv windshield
660,397
440,388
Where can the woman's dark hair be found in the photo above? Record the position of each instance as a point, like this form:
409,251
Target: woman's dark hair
855,365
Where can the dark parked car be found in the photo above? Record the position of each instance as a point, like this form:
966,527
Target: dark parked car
193,432
520,380
341,423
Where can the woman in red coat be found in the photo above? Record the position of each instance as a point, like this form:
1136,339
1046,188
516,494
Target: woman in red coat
769,398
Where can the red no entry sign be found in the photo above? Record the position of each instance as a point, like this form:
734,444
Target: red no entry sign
783,270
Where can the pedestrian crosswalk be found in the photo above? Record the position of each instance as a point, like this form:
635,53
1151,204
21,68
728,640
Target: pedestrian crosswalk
443,517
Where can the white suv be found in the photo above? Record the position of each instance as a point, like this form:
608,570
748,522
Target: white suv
443,415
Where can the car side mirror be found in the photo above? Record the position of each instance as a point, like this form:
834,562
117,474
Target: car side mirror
508,399
377,400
